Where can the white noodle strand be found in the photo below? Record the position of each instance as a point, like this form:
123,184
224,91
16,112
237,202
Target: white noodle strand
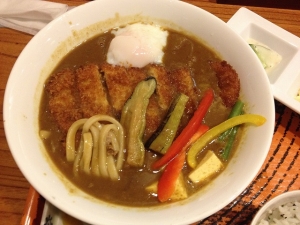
70,140
111,168
101,147
87,152
94,164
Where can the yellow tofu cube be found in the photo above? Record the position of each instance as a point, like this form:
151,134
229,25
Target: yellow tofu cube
180,189
207,167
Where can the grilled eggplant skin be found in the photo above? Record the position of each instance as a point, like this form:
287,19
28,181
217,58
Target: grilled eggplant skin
165,136
133,120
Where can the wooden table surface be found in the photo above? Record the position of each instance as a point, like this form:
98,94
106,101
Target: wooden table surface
279,173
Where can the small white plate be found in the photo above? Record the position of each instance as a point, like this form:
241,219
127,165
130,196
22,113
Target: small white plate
285,77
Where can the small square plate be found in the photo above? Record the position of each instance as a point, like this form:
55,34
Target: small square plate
285,77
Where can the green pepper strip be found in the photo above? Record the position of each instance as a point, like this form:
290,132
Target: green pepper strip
232,132
215,131
236,111
230,141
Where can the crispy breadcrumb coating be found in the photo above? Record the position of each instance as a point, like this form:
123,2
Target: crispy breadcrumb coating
228,82
92,93
93,89
62,101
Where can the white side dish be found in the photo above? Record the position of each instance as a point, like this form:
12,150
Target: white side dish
269,212
285,77
287,213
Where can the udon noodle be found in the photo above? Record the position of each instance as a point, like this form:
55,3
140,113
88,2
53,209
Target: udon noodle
101,147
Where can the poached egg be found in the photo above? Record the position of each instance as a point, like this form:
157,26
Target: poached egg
137,45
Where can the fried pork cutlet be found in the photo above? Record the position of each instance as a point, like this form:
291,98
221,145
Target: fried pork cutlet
92,93
154,117
120,82
228,82
160,101
164,88
87,92
62,101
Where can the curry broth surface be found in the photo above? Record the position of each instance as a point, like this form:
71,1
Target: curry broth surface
130,190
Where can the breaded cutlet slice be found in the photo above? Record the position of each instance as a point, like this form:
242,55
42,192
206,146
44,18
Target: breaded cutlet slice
184,83
228,82
62,100
164,88
160,101
92,93
154,117
120,82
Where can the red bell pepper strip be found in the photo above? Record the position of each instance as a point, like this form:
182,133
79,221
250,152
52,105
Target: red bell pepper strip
201,130
167,182
187,132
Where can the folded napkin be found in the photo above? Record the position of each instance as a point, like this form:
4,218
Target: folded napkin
29,16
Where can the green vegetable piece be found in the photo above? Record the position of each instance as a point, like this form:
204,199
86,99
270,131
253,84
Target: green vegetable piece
236,110
231,133
167,134
259,51
226,152
268,57
133,120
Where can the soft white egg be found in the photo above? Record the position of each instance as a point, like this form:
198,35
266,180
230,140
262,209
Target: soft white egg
137,45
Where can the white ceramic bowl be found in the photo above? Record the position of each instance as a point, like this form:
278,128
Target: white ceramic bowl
284,198
44,51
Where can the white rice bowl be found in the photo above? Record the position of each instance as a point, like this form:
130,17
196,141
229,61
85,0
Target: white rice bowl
281,210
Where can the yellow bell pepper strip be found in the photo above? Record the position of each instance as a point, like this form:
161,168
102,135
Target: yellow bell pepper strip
215,131
167,182
187,132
